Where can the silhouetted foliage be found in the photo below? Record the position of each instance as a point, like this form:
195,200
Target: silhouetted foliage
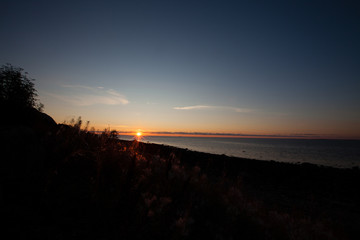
17,89
74,184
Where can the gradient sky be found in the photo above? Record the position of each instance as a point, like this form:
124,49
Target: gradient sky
243,67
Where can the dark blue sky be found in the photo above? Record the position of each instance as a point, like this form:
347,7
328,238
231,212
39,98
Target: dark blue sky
282,67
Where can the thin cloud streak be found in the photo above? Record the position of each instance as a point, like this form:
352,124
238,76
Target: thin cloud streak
194,107
201,107
87,96
93,89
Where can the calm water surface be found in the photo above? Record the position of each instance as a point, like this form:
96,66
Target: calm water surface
336,153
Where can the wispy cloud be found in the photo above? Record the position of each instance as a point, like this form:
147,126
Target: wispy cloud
79,87
194,107
80,95
201,107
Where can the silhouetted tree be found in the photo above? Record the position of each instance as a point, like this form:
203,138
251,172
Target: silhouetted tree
17,89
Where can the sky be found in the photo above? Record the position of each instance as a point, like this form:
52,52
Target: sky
269,68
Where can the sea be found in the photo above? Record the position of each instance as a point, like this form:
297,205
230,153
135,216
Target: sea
334,153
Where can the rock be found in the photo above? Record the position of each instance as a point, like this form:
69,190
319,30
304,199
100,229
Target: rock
40,121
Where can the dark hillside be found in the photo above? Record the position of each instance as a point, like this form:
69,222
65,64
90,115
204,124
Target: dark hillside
61,182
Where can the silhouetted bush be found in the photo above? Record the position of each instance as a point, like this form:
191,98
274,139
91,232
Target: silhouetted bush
17,89
74,184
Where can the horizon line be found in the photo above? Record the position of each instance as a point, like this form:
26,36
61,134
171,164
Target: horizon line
237,135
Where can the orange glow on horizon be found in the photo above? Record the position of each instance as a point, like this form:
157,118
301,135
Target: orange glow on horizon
140,135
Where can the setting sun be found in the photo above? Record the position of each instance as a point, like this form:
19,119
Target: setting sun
138,134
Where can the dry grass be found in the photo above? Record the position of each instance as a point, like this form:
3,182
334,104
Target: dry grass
98,187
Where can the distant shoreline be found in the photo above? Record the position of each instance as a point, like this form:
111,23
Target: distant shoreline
229,135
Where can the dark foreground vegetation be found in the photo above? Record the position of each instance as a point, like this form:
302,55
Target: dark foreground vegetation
63,182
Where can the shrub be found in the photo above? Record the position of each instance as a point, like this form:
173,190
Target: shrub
17,89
